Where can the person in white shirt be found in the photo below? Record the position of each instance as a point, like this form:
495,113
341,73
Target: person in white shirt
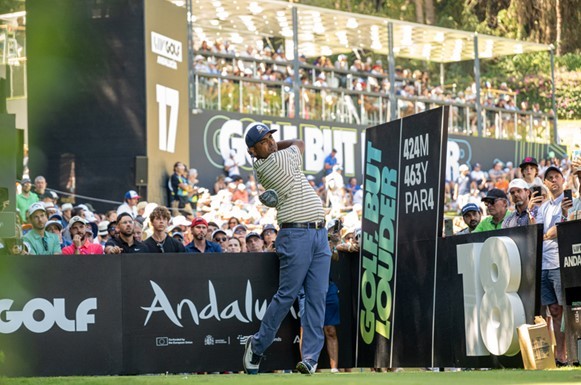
130,204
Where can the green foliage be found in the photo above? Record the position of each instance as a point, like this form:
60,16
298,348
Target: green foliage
570,61
7,6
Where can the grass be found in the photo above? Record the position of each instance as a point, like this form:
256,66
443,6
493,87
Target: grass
407,377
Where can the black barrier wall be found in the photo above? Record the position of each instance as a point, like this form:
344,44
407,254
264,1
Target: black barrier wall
60,315
570,259
134,314
130,314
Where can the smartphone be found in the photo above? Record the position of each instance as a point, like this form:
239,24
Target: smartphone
568,194
337,226
537,189
448,227
576,154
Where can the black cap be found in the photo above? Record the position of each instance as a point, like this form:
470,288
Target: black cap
552,168
495,193
252,234
529,160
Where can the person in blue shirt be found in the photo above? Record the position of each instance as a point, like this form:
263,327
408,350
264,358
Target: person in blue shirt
330,161
200,244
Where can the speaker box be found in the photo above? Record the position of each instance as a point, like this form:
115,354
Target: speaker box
141,170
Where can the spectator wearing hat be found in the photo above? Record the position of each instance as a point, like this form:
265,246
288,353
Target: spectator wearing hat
254,243
40,241
25,199
220,237
49,197
125,242
66,211
268,235
239,232
551,212
529,169
130,204
496,203
178,236
200,244
471,214
103,233
82,243
50,208
160,241
348,243
55,226
520,195
212,226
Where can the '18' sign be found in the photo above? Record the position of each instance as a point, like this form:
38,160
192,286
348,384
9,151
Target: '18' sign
492,308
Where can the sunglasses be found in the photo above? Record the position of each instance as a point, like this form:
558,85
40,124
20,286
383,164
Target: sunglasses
217,239
45,244
160,245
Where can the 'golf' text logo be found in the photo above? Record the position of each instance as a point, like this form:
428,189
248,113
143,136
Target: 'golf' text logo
11,320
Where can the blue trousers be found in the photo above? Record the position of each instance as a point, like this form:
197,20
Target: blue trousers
305,260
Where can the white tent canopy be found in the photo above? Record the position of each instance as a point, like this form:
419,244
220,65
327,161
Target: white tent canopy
326,32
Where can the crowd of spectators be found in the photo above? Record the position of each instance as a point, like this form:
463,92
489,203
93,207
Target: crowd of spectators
227,218
234,198
474,183
231,205
325,81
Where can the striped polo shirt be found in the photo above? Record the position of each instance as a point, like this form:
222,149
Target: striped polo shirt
297,200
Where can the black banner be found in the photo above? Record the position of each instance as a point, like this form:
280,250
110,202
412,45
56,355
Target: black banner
402,220
60,315
80,315
75,315
570,260
192,313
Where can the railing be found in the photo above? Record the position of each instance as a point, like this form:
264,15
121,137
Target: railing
13,56
350,97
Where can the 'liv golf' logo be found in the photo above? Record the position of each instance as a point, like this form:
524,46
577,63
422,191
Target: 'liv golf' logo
166,47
